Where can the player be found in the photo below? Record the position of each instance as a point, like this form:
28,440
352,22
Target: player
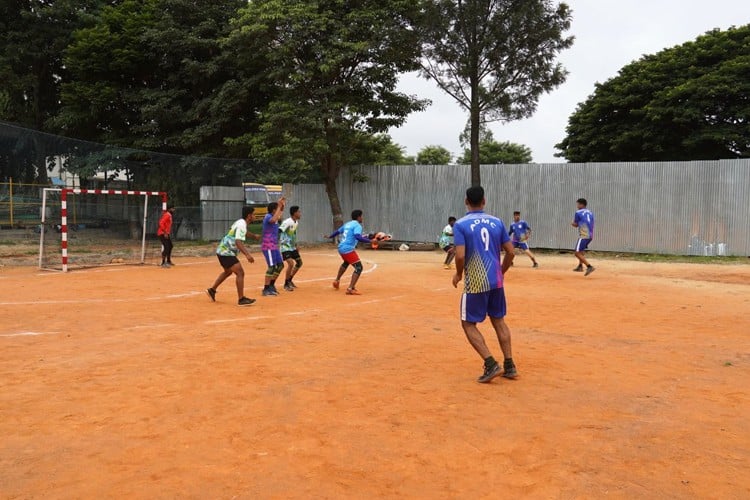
446,242
520,232
288,244
232,243
269,245
479,237
584,221
164,232
351,233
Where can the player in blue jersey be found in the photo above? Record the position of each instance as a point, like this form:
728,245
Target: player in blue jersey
351,233
269,245
479,237
584,221
520,232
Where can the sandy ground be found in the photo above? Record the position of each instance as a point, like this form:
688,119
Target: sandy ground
129,382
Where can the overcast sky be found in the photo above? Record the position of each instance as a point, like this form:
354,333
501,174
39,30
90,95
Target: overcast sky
608,35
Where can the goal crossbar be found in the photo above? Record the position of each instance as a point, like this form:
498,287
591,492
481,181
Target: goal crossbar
64,192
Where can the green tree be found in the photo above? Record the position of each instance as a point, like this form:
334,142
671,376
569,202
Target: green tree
492,152
378,150
333,66
33,36
495,57
433,155
688,102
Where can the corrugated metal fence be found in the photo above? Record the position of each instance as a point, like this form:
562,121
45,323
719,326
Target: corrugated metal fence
689,208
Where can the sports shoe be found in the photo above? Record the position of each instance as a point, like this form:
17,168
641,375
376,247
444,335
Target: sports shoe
268,292
170,263
244,301
288,287
336,284
211,293
352,291
490,372
292,283
273,289
509,370
165,265
589,270
579,269
446,266
536,264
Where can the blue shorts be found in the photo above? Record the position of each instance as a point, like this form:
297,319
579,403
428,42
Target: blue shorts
521,244
273,257
583,244
477,306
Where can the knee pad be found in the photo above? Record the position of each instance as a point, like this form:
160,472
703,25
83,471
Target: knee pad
297,263
278,268
358,268
344,265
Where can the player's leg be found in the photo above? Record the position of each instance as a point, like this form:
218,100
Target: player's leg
342,269
473,310
496,310
268,255
581,248
288,276
531,255
239,271
226,263
170,246
352,290
450,253
579,255
163,239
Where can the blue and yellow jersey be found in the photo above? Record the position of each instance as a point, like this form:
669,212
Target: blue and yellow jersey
585,220
483,236
520,230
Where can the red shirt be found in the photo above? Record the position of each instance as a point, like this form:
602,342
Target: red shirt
165,223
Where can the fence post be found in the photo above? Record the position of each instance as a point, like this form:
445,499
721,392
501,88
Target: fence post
11,201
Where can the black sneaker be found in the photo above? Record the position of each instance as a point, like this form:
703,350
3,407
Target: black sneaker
589,270
273,290
244,301
490,372
509,370
288,287
536,264
267,292
292,283
211,293
579,269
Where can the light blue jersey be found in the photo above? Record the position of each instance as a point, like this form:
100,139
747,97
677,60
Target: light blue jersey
349,232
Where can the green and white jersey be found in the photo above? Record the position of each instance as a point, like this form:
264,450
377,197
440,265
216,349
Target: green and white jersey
228,244
446,238
288,235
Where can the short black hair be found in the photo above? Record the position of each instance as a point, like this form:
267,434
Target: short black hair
293,209
356,214
247,211
582,201
451,219
272,207
517,212
475,195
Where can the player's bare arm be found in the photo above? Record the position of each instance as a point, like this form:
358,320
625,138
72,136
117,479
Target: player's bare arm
242,248
459,260
508,257
279,210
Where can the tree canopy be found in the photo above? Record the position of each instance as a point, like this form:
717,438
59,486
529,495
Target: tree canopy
495,57
688,102
433,155
492,152
332,67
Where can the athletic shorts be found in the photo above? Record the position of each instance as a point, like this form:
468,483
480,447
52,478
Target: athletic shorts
273,257
582,244
350,258
521,244
291,254
448,248
477,306
227,261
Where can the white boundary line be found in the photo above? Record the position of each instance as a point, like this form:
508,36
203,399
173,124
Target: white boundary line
27,334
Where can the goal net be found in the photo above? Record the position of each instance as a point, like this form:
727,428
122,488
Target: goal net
95,227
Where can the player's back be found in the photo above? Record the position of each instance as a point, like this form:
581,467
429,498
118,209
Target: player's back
349,232
585,220
482,235
270,233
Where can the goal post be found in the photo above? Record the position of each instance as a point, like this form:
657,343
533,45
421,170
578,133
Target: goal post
99,226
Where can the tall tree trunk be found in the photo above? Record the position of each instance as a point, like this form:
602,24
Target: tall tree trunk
330,174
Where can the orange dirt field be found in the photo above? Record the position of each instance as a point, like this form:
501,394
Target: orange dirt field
129,382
